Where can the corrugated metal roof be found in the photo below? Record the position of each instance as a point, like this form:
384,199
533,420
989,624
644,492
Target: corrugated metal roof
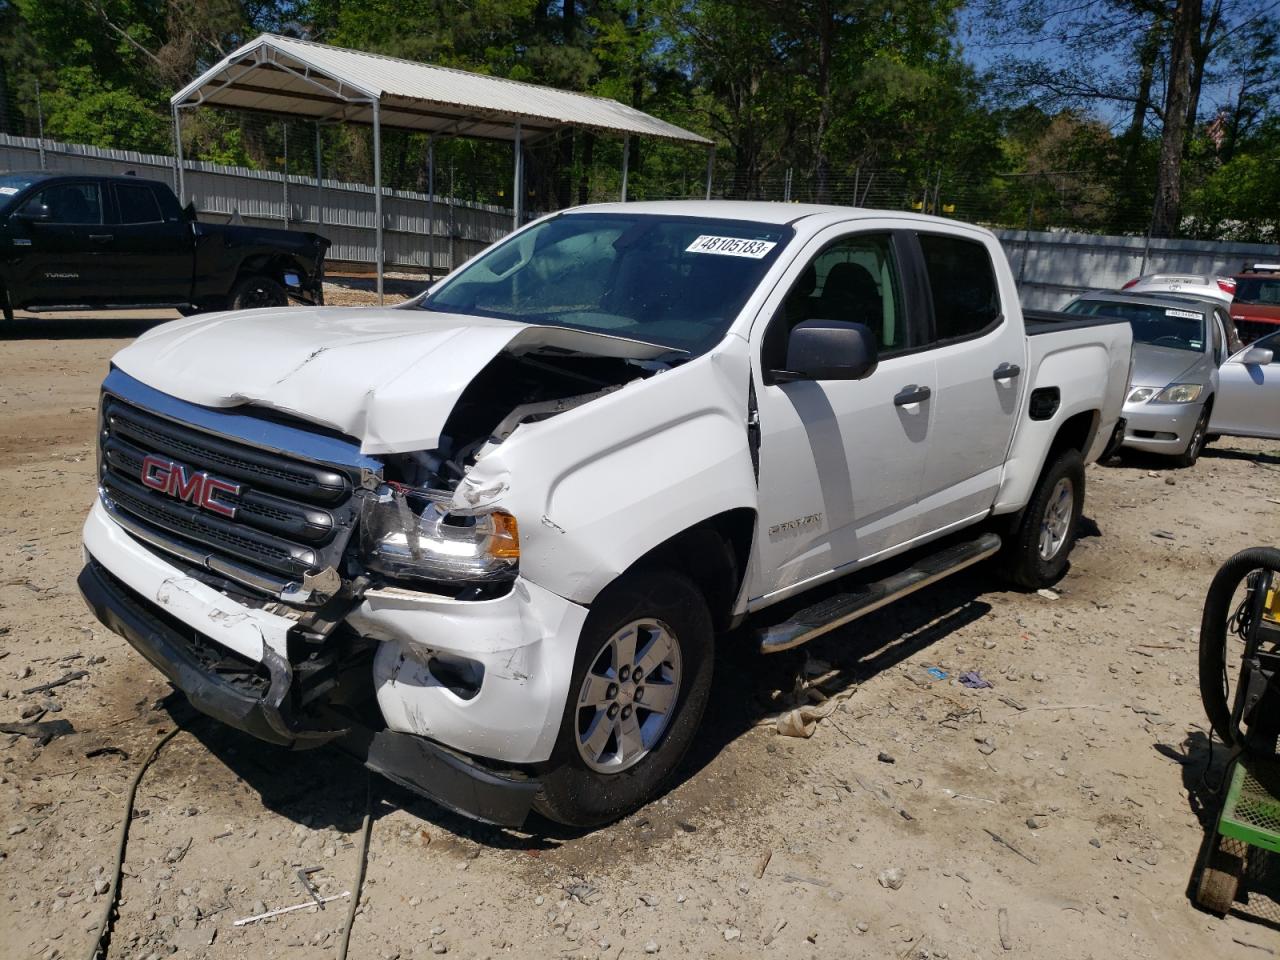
317,81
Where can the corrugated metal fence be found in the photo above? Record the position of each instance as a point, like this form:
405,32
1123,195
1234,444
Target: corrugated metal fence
417,233
1051,267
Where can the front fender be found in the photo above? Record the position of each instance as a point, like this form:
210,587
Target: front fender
598,487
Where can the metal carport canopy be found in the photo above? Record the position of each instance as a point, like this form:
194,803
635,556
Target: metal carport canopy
301,79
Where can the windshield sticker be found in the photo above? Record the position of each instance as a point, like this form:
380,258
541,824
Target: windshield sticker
1186,314
731,246
8,191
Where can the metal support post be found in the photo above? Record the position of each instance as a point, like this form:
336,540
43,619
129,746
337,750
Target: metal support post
431,204
177,142
626,161
40,126
319,179
711,166
377,190
517,188
284,134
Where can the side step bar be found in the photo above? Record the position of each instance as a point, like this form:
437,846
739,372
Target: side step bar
84,307
836,611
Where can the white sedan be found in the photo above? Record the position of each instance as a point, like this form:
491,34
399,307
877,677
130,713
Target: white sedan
1222,289
1248,401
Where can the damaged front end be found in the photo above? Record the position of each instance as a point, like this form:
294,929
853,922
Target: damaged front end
307,593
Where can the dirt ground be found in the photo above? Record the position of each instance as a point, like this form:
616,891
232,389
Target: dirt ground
1085,757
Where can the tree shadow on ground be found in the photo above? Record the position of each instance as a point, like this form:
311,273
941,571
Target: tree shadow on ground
325,788
1224,453
123,327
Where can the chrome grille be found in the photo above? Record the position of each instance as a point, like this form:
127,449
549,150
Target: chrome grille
292,516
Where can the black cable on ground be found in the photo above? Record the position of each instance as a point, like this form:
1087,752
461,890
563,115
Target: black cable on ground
354,903
103,938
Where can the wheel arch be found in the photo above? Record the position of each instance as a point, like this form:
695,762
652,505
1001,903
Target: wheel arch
713,553
1076,432
272,264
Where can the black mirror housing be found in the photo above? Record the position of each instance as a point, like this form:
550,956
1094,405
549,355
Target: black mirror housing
35,213
829,350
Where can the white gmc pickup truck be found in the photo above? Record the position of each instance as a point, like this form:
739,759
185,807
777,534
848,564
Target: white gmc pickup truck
487,540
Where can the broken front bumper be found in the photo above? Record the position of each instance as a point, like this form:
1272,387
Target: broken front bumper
185,628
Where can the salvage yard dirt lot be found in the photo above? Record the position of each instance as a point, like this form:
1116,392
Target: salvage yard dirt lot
1085,757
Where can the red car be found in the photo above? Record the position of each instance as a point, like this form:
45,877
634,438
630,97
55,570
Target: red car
1256,307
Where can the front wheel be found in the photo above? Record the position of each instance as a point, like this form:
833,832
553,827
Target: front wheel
1199,437
640,684
1041,543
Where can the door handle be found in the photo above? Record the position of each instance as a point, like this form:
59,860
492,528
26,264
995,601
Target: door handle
910,395
101,237
1006,371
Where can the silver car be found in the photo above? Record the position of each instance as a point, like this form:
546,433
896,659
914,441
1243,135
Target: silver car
1248,402
1178,345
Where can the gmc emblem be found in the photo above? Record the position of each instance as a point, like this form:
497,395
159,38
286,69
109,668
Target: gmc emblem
190,486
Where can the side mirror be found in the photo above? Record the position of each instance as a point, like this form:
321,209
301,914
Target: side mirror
1257,356
35,212
829,350
189,211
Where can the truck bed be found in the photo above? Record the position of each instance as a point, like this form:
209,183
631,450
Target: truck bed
1048,321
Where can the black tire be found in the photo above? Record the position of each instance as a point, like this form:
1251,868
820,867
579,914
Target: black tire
575,794
256,291
1024,563
1214,669
1199,437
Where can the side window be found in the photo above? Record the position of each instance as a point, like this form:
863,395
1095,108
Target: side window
854,279
71,203
137,204
966,300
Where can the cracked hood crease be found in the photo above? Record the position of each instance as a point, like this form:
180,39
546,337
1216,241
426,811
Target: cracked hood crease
387,377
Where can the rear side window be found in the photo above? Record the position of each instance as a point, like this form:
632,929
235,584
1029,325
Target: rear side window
137,204
963,284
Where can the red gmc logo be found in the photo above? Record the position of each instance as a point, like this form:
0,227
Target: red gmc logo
191,486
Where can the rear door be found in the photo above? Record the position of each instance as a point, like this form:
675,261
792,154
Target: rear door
150,249
979,353
61,261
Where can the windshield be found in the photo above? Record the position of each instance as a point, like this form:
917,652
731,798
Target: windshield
674,281
12,184
1159,326
1258,290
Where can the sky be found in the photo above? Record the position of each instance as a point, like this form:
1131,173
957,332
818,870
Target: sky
984,47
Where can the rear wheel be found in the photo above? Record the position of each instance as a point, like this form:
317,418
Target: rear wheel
1038,550
256,291
640,684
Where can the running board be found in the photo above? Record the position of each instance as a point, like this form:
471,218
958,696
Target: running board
836,611
86,307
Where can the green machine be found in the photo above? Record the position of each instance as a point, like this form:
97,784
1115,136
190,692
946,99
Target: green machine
1240,687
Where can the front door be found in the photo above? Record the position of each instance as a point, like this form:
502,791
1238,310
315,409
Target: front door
841,462
62,232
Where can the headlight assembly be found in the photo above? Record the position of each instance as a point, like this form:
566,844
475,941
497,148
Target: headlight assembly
1180,393
408,534
1141,394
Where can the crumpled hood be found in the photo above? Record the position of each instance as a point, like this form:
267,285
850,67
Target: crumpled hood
388,377
1161,366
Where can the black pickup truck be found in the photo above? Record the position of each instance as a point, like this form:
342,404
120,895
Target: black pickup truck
72,242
